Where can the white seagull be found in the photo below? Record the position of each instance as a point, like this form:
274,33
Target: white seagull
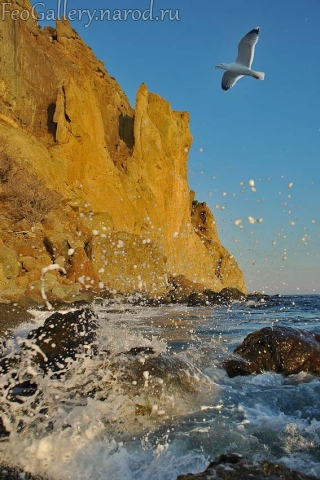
242,65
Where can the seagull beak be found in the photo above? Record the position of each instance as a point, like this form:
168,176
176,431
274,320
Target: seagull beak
217,66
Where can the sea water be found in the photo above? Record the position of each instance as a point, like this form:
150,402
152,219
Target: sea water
109,417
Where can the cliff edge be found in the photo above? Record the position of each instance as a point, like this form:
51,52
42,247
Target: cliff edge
91,184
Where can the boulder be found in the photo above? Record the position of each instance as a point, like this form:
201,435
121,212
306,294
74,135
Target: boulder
209,297
16,473
231,294
9,261
62,336
182,288
11,316
234,467
277,349
81,271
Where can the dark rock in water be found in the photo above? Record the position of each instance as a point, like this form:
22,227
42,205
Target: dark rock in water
24,389
238,367
259,300
61,337
277,349
11,316
233,467
51,347
140,350
198,299
163,371
3,431
15,473
143,373
209,297
230,294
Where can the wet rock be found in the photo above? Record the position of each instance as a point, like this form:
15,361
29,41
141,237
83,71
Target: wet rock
145,375
182,289
233,467
209,297
62,336
163,371
259,300
27,302
277,349
16,473
198,299
230,294
11,315
140,350
3,431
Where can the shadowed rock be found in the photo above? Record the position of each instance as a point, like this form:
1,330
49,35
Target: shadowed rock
233,467
142,373
277,349
16,473
61,337
209,297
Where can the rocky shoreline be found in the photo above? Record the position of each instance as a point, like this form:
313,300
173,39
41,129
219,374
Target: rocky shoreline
226,467
14,313
15,473
286,351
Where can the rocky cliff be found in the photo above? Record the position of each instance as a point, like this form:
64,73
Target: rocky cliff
91,184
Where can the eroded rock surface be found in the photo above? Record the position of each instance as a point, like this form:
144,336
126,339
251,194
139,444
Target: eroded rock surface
121,217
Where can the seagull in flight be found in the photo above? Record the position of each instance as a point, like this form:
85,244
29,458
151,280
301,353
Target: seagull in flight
242,65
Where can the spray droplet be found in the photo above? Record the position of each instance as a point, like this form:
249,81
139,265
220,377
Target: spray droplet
237,222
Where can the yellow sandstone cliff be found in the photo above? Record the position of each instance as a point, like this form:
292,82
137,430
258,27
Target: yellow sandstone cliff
90,183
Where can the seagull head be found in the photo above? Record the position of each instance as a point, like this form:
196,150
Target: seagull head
223,66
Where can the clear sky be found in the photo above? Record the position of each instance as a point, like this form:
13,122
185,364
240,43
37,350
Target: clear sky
266,131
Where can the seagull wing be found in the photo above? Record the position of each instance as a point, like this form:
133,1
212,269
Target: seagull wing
246,47
229,79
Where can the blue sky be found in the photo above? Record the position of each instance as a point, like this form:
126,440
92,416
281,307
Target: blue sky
266,131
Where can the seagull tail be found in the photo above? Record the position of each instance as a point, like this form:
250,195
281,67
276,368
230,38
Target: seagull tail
258,75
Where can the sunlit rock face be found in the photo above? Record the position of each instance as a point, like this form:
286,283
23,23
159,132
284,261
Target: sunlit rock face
123,217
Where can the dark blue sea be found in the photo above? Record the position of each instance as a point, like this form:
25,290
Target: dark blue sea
113,417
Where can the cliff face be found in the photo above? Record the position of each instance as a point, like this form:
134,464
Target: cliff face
120,215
